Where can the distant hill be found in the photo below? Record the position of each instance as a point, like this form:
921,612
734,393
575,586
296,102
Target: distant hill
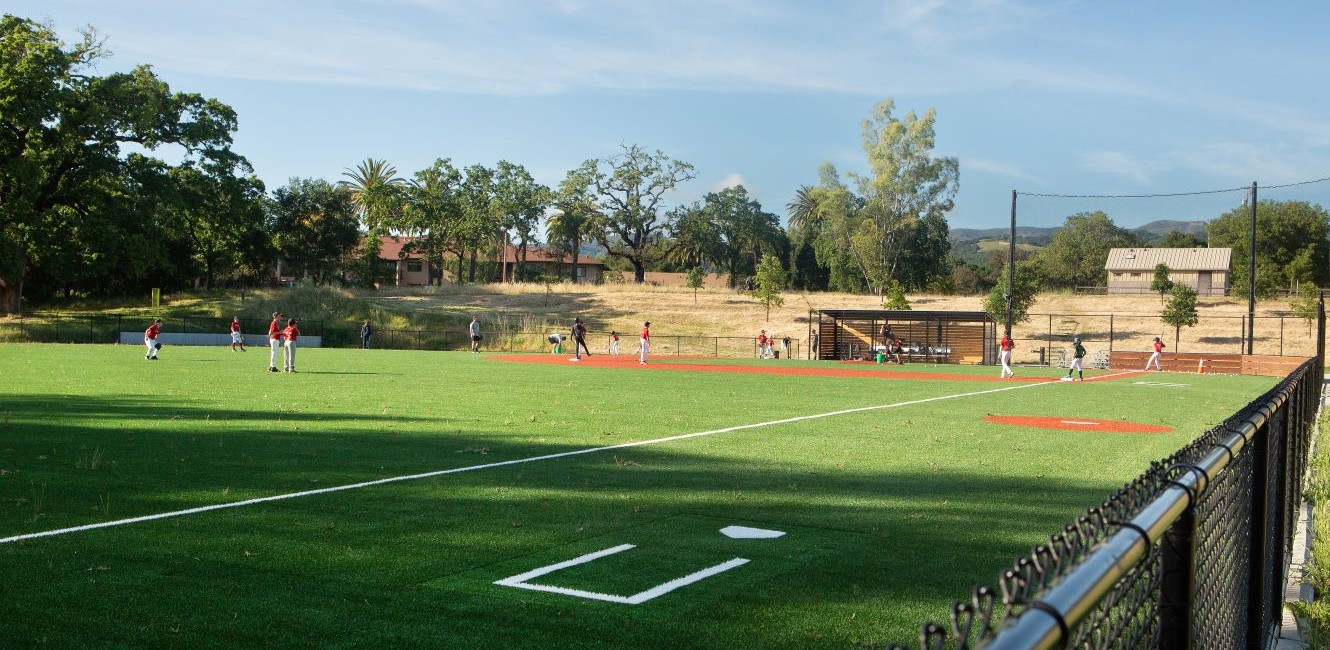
1027,233
974,244
1157,229
1036,235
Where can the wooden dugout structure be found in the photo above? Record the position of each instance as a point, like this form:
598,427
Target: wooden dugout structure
962,337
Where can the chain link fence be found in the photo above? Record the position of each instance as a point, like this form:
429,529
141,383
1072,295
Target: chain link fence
1192,553
92,328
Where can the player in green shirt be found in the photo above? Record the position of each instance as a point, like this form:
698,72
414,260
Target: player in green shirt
1076,361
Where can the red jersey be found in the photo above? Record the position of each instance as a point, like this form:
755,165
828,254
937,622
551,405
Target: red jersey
646,333
1159,346
1006,343
614,337
152,331
291,333
235,325
761,339
274,329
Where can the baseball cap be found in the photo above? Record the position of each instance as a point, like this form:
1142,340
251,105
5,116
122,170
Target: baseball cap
647,323
1077,340
276,314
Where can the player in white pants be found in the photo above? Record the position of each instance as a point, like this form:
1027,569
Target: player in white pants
646,342
274,339
1006,346
1077,355
1154,357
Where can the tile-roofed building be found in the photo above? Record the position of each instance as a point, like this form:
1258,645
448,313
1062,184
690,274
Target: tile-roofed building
1207,270
549,263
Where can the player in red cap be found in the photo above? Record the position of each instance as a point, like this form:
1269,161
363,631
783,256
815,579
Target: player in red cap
237,337
274,339
646,342
1154,358
150,339
290,334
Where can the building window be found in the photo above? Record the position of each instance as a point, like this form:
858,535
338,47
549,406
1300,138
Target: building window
581,271
413,266
390,267
1136,275
1116,274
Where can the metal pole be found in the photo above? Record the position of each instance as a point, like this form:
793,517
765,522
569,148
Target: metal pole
1251,273
1011,261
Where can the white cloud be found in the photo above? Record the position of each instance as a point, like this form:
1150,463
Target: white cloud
730,180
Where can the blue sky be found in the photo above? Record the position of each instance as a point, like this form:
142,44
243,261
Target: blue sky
1117,97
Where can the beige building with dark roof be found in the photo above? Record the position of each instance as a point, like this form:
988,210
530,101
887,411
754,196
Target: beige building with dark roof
1207,270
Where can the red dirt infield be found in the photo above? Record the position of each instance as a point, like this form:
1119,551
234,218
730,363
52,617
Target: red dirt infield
1077,424
682,363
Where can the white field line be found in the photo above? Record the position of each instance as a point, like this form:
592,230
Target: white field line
1088,424
505,463
520,581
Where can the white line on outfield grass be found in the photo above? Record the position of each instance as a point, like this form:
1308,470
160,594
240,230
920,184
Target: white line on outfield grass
505,463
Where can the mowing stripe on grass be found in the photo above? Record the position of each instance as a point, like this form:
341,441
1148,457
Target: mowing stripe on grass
505,463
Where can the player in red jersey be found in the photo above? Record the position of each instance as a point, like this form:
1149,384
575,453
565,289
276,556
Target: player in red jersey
1007,345
290,333
274,339
150,339
237,337
1154,358
646,342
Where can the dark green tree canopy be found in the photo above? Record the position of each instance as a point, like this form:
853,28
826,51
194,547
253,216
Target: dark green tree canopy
1291,244
1076,256
61,131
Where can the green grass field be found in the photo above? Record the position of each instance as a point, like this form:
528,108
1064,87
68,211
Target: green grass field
888,515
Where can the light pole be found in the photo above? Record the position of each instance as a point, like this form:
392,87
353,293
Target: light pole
1011,261
1251,273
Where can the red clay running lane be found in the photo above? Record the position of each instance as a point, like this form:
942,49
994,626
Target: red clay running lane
627,361
1077,424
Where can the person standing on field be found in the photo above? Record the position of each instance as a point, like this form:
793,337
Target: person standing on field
274,339
614,343
290,333
1076,358
579,339
150,339
646,342
366,331
237,337
475,334
762,344
1006,345
1154,358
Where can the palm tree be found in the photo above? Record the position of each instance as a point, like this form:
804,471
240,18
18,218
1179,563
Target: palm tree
805,210
374,184
375,191
575,215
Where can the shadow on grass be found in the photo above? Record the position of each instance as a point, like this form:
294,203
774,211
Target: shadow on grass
886,546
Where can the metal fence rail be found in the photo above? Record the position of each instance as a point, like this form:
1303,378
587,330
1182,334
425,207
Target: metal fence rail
1192,553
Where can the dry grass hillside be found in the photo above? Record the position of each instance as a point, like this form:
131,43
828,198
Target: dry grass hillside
1122,321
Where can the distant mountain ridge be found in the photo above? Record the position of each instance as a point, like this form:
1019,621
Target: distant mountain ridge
1035,234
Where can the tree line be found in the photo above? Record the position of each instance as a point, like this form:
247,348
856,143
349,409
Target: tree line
88,207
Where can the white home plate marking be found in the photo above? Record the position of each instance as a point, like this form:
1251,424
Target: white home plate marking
744,532
1158,383
1088,424
520,581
